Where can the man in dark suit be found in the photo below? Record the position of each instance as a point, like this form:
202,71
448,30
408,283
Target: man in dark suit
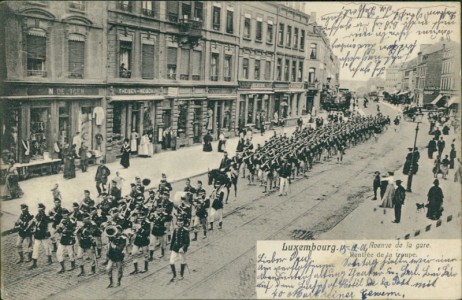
101,176
179,247
398,200
225,163
376,183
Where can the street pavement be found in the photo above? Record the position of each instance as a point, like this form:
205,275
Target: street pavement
177,165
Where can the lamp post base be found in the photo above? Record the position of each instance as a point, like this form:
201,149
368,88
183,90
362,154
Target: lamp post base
409,183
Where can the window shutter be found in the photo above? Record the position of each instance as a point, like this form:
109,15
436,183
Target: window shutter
197,59
76,57
147,69
171,57
36,47
184,61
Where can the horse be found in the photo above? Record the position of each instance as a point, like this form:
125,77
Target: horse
216,175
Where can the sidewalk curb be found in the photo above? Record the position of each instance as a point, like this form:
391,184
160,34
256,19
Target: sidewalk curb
417,232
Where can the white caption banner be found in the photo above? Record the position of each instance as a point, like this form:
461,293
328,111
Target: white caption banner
362,269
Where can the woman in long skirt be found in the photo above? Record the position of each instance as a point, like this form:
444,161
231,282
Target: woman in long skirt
12,189
69,166
389,192
435,201
125,160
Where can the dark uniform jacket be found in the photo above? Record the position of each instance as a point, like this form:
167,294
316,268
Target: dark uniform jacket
142,234
56,216
67,228
116,248
180,240
400,196
41,226
217,199
158,225
202,208
23,224
86,235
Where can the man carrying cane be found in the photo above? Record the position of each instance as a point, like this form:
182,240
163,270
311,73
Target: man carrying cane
179,247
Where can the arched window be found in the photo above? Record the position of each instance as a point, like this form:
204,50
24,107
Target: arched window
314,51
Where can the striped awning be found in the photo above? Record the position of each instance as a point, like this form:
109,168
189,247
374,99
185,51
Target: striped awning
438,98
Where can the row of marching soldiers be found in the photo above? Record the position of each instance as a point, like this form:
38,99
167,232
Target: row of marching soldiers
135,224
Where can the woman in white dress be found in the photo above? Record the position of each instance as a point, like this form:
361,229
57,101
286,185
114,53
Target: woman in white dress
134,141
389,192
144,146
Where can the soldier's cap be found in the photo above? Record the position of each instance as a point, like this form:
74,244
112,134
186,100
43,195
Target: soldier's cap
41,206
410,148
199,182
165,193
151,192
57,200
398,181
86,191
75,204
64,211
163,175
132,184
24,206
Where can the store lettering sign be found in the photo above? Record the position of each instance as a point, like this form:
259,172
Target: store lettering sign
135,91
296,85
62,91
281,85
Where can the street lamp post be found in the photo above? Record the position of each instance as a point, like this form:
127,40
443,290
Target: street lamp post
418,119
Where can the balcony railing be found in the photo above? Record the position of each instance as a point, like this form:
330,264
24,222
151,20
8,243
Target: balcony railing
171,76
184,76
190,27
172,17
196,77
38,73
227,78
214,78
147,12
125,74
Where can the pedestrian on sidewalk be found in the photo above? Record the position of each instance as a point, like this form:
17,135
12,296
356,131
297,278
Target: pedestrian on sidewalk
431,148
441,144
435,201
445,166
126,150
398,200
83,155
12,190
452,156
389,192
222,142
436,166
376,184
207,142
69,165
102,173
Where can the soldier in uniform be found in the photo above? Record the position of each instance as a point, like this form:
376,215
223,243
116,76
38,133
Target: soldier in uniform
141,242
179,247
158,231
202,205
41,235
216,212
98,219
168,210
87,199
87,244
23,225
164,185
67,229
55,218
116,255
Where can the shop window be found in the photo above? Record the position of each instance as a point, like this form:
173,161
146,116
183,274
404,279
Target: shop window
125,59
76,59
216,18
229,21
86,126
267,70
197,65
279,69
147,61
295,38
294,70
184,75
314,50
39,128
281,35
245,68
171,62
125,5
247,28
117,122
256,73
286,70
289,36
302,40
250,111
300,71
182,119
80,5
36,55
63,124
198,10
227,68
269,34
311,75
172,11
147,8
258,31
227,123
214,67
9,136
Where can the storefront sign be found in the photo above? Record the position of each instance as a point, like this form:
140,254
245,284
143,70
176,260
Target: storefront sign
296,85
62,91
254,85
281,85
225,91
136,91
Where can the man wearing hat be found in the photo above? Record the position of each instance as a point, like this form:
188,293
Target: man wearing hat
158,230
41,235
398,200
164,184
23,225
141,242
114,190
167,205
56,216
87,244
87,199
179,247
101,176
66,228
376,183
116,255
202,205
216,212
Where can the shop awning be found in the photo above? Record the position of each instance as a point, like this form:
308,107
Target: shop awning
135,98
438,98
453,100
404,93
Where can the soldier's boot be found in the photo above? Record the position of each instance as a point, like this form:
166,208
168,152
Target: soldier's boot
93,269
82,271
264,191
49,260
146,265
151,255
169,237
182,271
173,271
34,264
135,271
98,252
220,225
110,281
195,236
205,234
211,226
55,248
162,252
72,265
62,270
119,280
21,257
29,256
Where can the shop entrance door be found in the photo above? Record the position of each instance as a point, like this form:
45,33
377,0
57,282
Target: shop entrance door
219,119
197,122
